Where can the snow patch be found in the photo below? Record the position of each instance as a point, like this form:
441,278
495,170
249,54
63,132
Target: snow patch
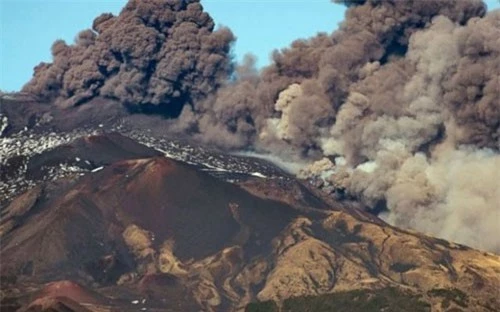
97,169
258,174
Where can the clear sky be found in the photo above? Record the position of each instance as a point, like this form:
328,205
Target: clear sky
29,27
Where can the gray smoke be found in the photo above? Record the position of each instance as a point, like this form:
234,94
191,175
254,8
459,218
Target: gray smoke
420,131
405,97
403,100
156,56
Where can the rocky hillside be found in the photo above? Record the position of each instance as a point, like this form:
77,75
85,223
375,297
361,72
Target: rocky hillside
130,177
136,230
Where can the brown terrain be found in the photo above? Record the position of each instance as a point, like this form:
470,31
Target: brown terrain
148,232
120,191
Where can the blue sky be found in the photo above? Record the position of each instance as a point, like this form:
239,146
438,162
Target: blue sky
28,27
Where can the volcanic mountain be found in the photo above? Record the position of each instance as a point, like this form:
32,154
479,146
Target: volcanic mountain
133,229
127,182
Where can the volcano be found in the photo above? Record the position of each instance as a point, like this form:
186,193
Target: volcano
134,172
134,229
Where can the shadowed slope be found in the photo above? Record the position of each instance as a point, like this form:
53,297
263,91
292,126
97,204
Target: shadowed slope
169,199
160,234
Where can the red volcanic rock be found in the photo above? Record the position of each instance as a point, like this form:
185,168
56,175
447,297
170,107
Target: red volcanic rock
153,233
64,296
54,304
77,230
72,291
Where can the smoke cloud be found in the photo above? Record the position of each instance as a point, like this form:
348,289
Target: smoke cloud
156,56
420,129
399,108
405,98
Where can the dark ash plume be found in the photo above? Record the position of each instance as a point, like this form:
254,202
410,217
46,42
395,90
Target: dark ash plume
405,97
399,107
374,35
417,122
155,57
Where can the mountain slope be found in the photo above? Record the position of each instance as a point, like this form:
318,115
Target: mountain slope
165,232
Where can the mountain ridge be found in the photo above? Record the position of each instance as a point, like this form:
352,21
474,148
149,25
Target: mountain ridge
219,243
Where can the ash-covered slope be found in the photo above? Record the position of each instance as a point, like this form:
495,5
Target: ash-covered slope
41,142
155,233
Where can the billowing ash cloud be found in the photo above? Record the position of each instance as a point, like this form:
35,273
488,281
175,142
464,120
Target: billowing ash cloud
371,44
155,56
403,100
367,53
405,95
414,96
